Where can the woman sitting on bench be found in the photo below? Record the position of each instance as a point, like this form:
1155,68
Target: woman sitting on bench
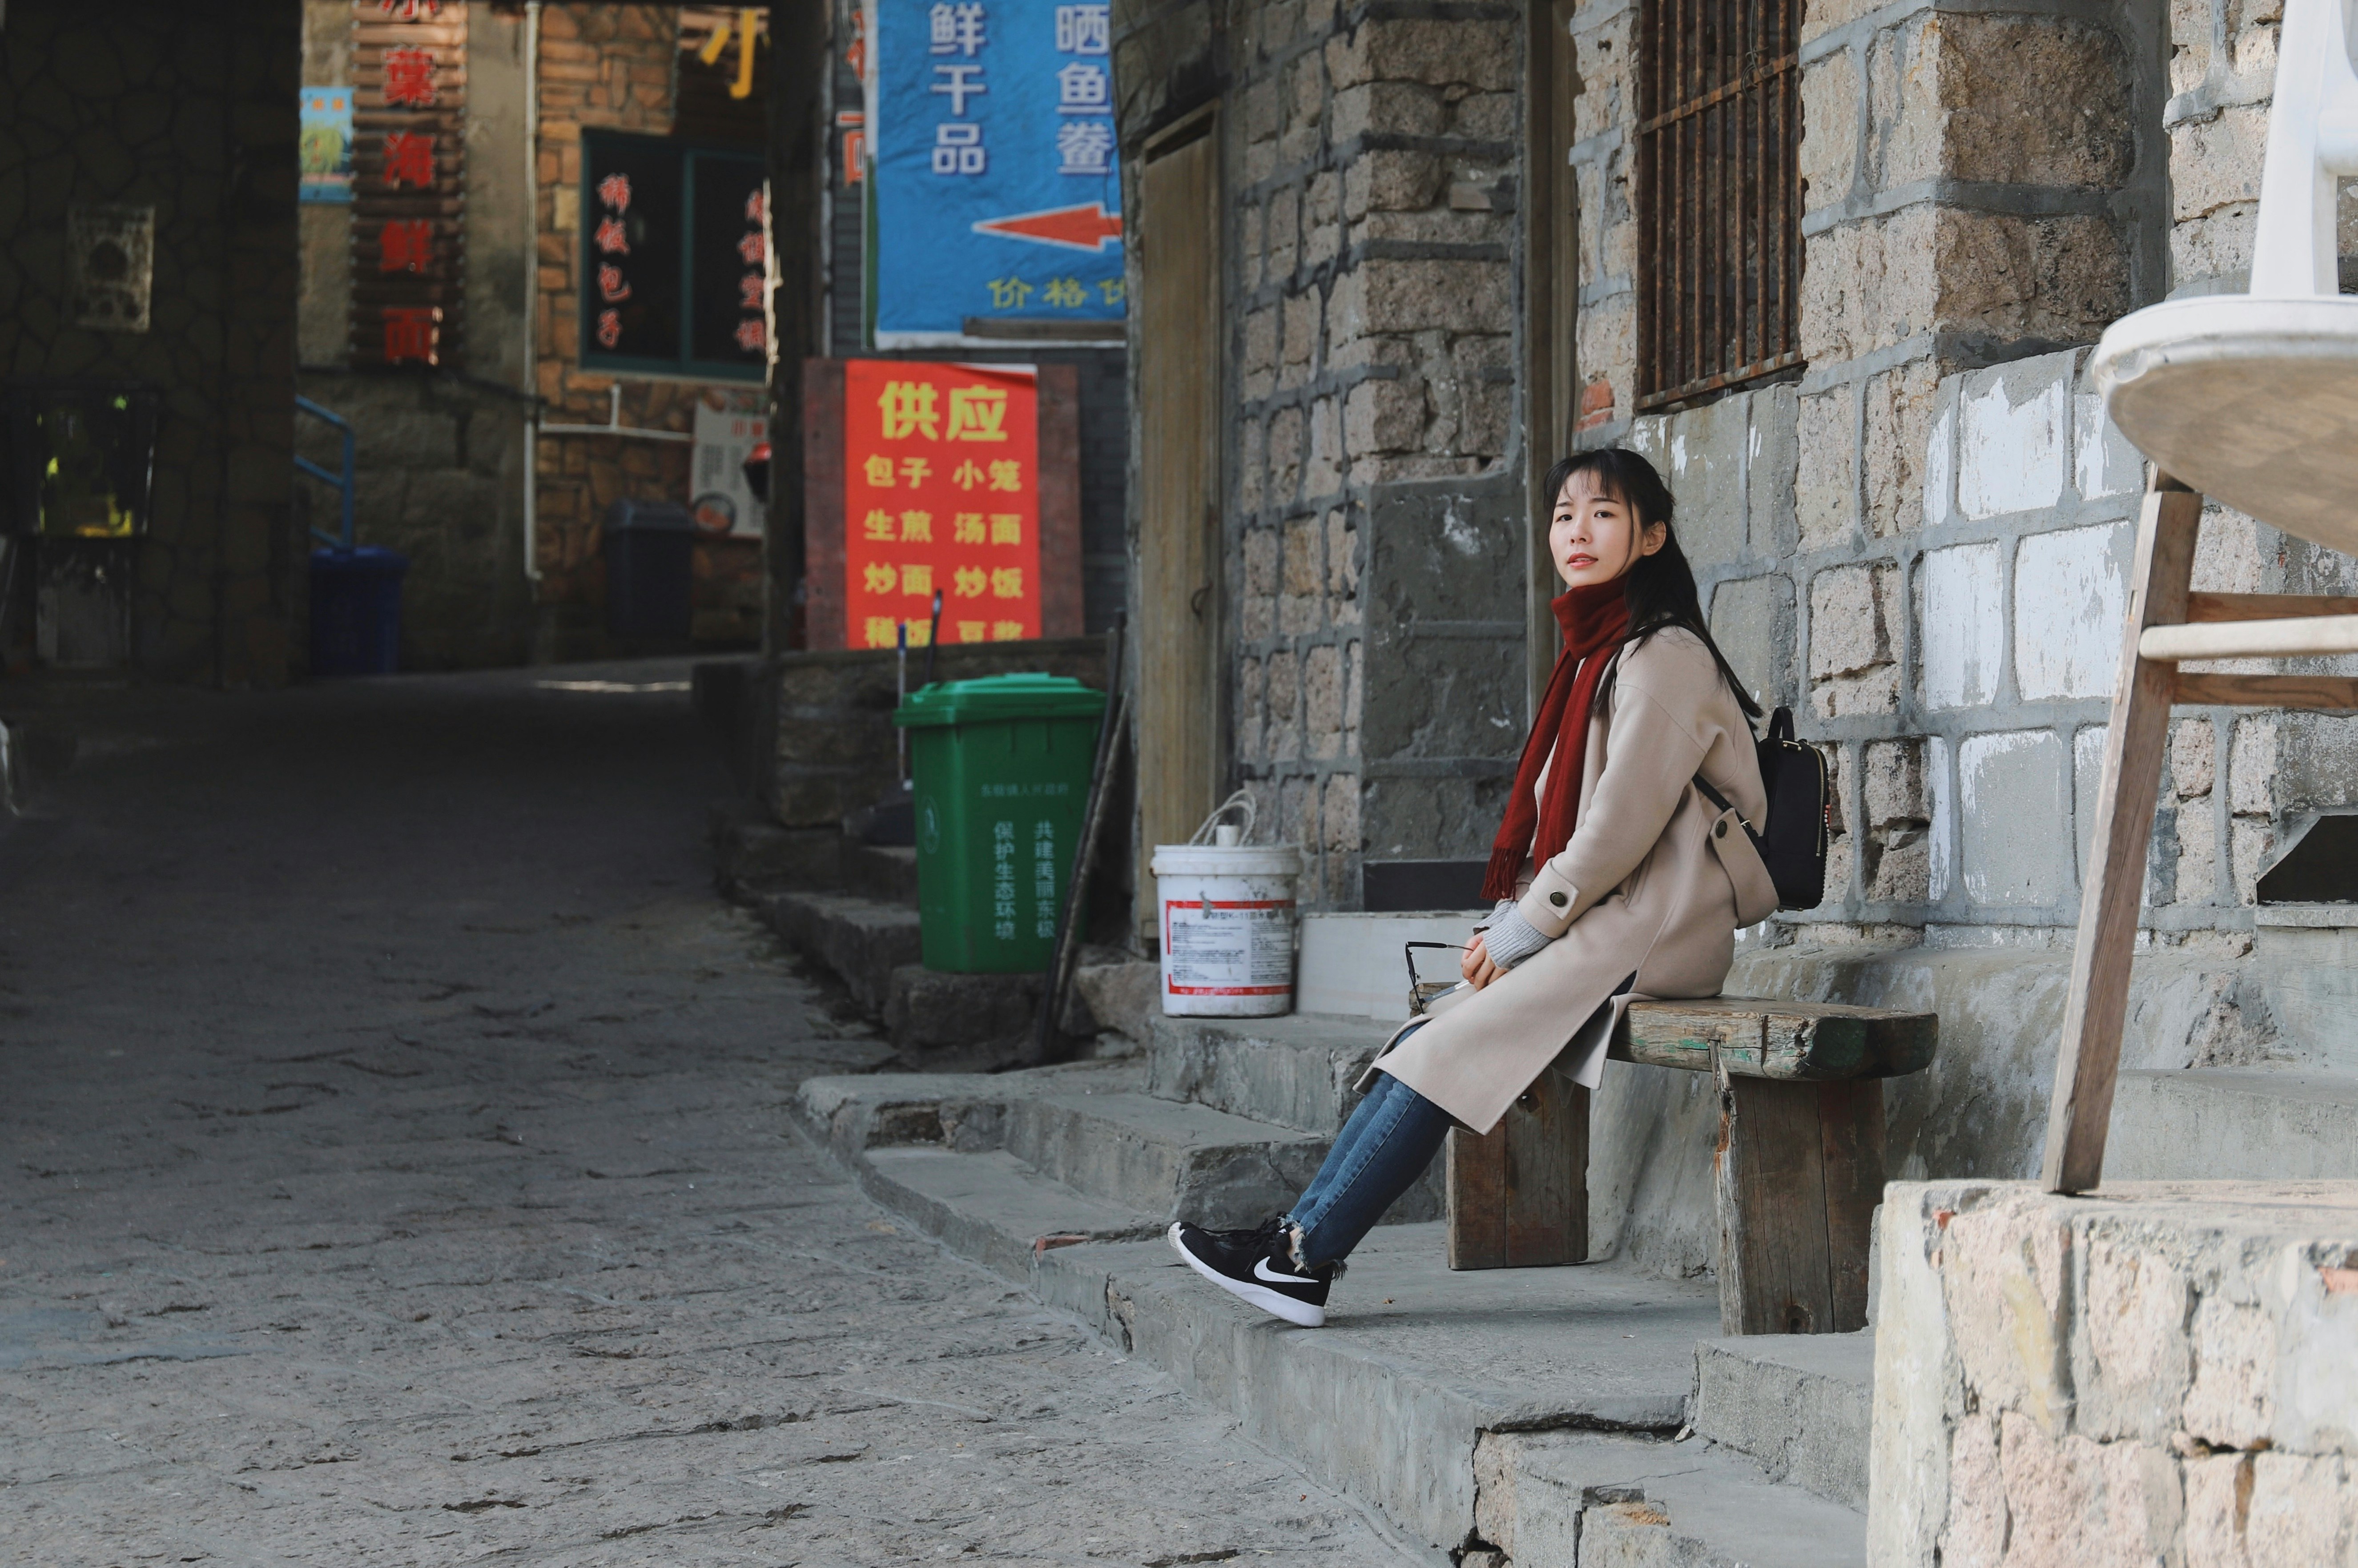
1607,870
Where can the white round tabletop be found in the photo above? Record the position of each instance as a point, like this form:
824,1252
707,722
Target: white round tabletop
2254,402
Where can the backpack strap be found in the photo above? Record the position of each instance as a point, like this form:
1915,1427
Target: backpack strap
1722,802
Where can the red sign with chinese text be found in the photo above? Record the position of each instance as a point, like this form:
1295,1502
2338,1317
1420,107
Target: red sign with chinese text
409,204
941,491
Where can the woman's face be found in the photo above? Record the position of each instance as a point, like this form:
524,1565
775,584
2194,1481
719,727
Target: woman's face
1594,538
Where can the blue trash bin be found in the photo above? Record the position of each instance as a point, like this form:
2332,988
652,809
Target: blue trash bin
356,611
650,570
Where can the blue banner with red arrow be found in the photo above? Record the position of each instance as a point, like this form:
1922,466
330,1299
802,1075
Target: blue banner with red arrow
996,183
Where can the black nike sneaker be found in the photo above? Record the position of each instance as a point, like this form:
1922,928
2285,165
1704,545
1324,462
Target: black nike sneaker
1258,1266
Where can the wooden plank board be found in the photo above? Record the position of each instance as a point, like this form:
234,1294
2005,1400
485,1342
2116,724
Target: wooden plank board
1177,571
1850,1140
2202,607
1796,1177
2310,693
1768,1182
1796,1041
1519,1197
2080,1114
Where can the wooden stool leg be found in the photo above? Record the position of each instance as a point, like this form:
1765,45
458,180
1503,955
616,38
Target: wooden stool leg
1797,1175
2080,1113
1518,1198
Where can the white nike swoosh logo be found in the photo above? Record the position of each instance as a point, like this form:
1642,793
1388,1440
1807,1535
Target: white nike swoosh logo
1261,1271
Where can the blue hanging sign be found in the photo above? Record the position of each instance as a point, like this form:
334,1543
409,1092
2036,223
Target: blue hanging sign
997,187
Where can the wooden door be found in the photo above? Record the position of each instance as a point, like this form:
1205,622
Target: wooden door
1180,348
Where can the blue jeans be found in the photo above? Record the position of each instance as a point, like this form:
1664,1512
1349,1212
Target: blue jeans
1391,1138
1385,1146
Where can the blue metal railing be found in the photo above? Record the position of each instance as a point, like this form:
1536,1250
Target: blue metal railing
342,482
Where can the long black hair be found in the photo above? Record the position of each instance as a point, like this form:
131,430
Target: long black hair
1660,589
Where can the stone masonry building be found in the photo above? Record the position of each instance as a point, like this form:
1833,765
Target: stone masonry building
1911,524
172,136
444,448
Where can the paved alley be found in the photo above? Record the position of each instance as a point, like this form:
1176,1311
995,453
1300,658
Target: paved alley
397,1172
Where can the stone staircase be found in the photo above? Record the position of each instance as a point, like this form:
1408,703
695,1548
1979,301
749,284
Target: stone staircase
2286,1115
1536,1417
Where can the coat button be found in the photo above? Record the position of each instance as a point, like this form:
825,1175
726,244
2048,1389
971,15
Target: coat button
1719,829
1557,899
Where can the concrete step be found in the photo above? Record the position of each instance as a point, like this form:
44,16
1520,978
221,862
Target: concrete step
1440,1397
752,855
860,940
2232,1124
1162,1157
928,1011
1088,1128
885,872
993,1209
1390,1400
1296,1071
1581,1499
873,946
1802,1406
963,1112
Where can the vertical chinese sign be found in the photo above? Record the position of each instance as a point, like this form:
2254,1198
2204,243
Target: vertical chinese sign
409,71
941,492
997,191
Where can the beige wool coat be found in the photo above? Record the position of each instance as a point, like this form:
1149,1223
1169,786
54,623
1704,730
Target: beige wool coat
1655,882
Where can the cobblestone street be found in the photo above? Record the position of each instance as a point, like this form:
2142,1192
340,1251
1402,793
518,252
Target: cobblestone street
397,1171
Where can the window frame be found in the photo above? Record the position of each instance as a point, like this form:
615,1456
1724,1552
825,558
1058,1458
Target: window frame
686,366
1719,230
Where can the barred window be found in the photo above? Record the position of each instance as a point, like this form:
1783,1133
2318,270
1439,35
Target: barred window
1718,196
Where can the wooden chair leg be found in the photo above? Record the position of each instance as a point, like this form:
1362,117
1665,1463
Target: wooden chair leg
1797,1175
1519,1197
2080,1114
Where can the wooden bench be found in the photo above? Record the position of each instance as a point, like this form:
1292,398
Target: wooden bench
1798,1168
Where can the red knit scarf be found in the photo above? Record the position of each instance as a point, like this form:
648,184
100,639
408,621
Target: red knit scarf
1593,619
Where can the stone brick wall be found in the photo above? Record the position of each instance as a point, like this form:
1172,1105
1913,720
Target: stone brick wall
2155,1373
2223,69
1975,193
439,456
2239,778
836,749
1373,524
191,113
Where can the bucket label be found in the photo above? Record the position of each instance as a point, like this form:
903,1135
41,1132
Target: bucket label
1228,947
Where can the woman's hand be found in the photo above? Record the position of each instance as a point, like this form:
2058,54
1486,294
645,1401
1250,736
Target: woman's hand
1475,966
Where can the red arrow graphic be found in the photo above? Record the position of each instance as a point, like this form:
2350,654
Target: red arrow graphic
1090,228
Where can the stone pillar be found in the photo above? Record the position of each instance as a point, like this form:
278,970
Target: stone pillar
2158,1373
1374,502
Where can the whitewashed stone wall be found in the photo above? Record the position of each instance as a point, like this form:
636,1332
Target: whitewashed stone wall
2159,1374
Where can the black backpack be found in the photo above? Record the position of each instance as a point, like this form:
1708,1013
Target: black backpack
1792,840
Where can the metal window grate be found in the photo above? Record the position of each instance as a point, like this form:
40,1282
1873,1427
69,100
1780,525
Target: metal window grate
1718,197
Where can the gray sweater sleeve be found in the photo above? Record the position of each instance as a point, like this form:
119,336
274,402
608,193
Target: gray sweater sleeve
1510,939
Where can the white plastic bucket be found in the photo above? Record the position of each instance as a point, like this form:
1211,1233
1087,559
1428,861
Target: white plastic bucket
1228,927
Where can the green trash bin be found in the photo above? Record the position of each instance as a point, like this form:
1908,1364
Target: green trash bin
1000,770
